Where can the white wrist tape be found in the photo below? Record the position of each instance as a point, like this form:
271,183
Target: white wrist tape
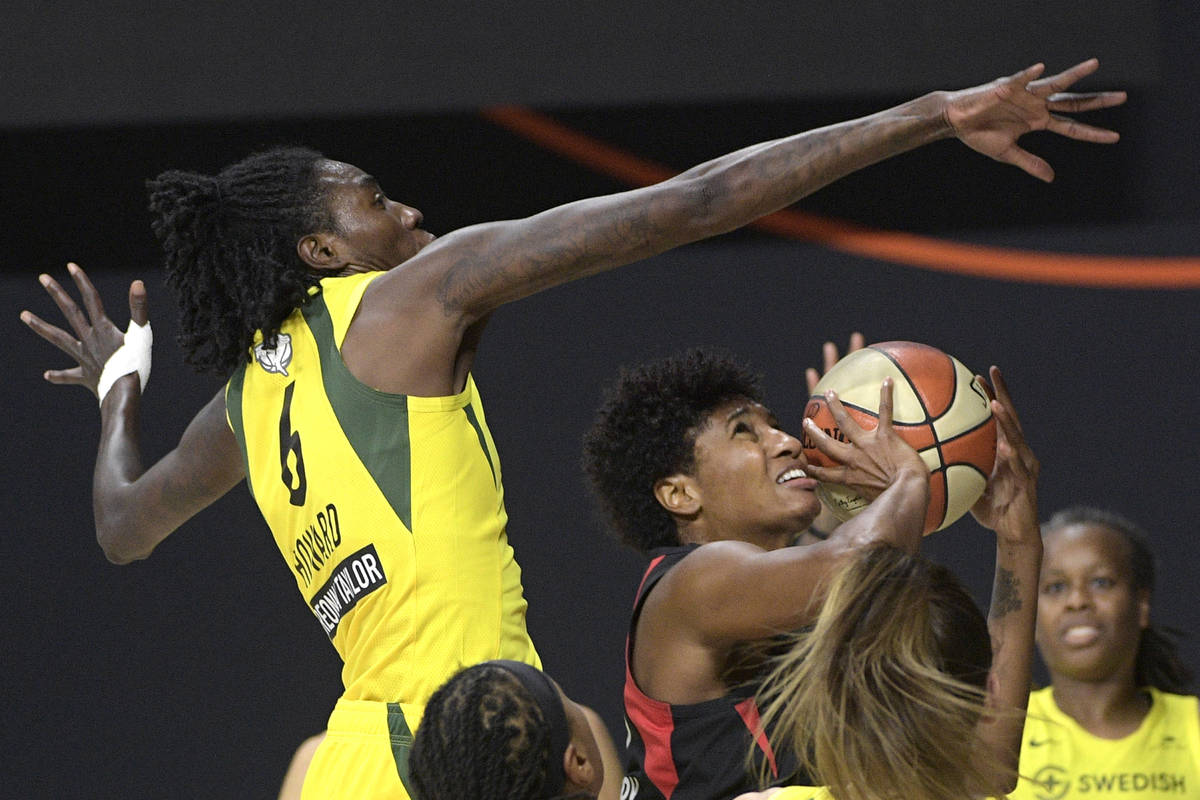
132,356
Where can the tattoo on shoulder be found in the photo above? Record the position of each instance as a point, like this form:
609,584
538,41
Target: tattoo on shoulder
1005,598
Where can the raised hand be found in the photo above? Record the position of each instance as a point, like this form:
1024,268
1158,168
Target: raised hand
868,461
831,356
1009,503
990,118
95,337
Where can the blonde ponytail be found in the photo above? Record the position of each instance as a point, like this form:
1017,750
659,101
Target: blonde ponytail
880,699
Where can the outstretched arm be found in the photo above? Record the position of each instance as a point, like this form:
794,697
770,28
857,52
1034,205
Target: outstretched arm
1009,507
423,307
485,266
135,508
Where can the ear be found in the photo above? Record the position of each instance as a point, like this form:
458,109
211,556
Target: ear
1143,606
578,768
679,494
320,251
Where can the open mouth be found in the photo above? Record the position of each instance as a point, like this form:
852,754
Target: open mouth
1081,635
792,474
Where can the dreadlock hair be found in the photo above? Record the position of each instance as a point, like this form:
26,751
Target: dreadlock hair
881,696
482,736
1158,663
646,429
230,243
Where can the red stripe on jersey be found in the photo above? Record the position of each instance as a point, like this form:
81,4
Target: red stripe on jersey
654,724
652,718
749,711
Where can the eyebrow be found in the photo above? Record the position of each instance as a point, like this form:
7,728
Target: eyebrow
367,180
737,412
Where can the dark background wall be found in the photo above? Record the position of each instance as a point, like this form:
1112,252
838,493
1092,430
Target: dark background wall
197,672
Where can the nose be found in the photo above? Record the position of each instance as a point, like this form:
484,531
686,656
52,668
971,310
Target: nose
411,217
1078,597
785,444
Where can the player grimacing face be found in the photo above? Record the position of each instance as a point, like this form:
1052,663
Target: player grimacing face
374,233
1090,616
750,475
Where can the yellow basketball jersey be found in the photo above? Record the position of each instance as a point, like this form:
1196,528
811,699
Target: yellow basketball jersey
802,793
388,509
1062,760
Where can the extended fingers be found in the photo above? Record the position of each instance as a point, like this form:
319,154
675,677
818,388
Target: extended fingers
1022,158
65,304
1074,103
846,423
1026,76
1002,394
829,354
91,298
885,404
825,443
64,376
52,334
1065,126
1011,443
812,378
1062,81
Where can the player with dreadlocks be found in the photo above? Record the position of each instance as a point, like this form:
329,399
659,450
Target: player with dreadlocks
347,335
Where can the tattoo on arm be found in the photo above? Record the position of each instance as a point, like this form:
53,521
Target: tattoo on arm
1005,596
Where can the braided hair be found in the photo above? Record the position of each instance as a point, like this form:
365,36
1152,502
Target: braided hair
484,736
1158,663
230,243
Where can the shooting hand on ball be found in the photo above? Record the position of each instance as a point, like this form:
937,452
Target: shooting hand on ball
869,461
1009,503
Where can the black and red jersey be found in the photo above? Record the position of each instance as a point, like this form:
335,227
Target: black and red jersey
695,751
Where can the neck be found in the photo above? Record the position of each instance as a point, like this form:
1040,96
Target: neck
1111,708
700,532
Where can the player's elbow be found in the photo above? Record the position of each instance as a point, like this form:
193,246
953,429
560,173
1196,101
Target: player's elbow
118,553
118,546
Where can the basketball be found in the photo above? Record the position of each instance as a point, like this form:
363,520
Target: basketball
939,408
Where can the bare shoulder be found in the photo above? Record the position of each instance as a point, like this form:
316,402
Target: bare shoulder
700,577
404,338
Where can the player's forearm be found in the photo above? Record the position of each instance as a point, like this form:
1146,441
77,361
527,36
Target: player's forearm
766,177
1011,619
483,267
896,517
118,466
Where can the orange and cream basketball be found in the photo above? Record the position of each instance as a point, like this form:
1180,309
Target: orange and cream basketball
939,407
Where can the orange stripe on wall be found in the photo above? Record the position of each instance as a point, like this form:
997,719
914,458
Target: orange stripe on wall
1125,272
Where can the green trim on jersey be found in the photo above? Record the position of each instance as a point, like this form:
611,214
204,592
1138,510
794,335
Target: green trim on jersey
381,443
233,411
402,739
470,412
